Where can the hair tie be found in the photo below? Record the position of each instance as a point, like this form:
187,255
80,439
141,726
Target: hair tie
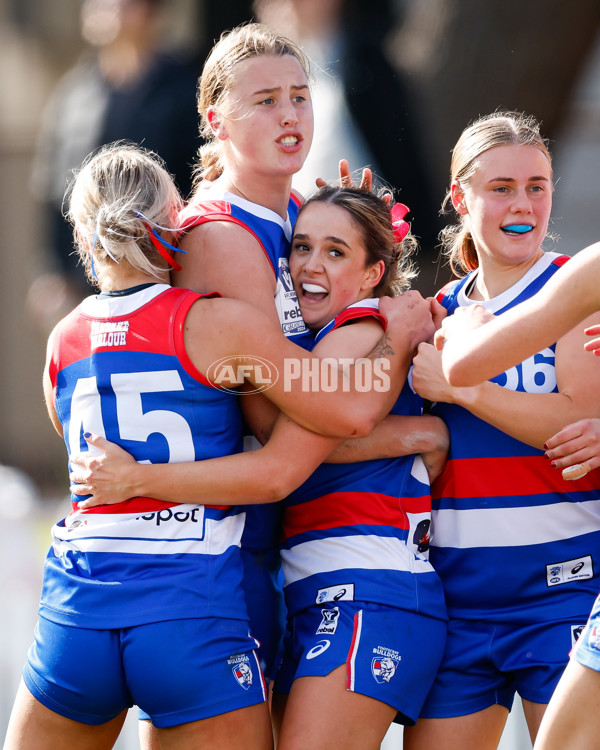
159,243
106,250
94,274
400,227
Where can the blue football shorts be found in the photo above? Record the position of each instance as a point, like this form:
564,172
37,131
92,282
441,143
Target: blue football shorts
486,664
587,649
176,671
390,654
263,590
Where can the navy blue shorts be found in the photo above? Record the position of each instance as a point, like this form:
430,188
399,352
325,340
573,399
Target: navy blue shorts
176,671
390,654
486,664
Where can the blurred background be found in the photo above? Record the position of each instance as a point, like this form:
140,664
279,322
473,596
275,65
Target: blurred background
396,81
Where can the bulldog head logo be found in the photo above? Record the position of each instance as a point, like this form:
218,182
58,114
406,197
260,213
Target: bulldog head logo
383,669
243,674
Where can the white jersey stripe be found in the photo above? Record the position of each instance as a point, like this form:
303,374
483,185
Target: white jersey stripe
210,537
513,527
339,553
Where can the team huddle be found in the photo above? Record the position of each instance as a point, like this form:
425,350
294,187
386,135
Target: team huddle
243,563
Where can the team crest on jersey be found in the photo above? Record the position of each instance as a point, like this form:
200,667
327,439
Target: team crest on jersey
569,570
384,664
329,622
242,671
343,592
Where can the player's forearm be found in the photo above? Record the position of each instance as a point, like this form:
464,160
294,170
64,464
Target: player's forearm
531,418
571,295
396,435
231,480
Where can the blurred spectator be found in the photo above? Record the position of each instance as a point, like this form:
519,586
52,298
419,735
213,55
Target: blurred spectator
125,86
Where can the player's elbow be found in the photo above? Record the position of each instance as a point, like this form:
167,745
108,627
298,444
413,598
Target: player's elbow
284,481
355,424
277,490
364,427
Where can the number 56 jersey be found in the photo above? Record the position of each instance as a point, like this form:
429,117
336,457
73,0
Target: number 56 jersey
119,369
512,540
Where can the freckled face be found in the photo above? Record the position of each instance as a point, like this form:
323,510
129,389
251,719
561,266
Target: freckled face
507,203
267,119
328,263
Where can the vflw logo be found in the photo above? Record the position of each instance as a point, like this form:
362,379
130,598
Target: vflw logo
329,622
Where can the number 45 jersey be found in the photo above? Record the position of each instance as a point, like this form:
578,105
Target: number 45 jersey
511,539
120,370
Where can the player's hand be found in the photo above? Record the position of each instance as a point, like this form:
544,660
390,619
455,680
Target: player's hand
463,319
408,315
105,473
438,312
346,180
576,448
594,345
428,377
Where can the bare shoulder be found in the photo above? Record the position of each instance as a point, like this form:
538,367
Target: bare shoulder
225,257
219,237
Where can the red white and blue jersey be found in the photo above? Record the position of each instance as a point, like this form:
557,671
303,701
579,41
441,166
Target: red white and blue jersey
272,233
119,369
512,540
360,531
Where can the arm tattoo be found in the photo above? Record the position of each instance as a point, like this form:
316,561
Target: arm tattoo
382,349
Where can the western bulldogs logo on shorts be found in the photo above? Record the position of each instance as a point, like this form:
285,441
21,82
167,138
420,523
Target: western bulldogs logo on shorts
383,668
385,663
329,621
242,671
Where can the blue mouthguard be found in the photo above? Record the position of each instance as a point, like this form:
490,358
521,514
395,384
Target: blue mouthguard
518,228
